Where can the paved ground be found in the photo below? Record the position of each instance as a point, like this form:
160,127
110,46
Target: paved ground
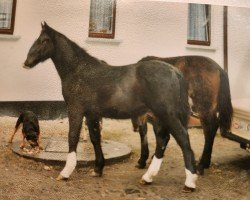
228,177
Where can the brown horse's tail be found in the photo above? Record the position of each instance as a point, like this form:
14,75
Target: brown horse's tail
225,107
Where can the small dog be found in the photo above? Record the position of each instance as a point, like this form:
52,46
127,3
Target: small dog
30,131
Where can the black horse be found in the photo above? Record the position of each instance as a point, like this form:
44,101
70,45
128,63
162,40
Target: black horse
208,87
94,89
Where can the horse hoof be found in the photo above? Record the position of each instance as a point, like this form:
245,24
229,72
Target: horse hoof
96,174
61,178
200,171
187,189
143,182
140,166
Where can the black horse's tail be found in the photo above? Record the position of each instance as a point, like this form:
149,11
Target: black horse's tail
225,107
185,109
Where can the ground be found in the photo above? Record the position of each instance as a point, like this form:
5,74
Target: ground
20,178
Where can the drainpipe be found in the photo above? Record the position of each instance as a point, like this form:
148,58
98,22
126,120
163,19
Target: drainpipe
225,34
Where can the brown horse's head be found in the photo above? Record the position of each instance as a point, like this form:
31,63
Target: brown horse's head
42,49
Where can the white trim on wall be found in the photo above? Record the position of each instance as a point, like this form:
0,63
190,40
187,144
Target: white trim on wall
9,37
236,3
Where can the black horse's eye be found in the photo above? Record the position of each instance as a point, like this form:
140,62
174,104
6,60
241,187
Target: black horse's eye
45,41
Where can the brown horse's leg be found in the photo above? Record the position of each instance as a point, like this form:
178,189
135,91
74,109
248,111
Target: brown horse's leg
210,126
204,93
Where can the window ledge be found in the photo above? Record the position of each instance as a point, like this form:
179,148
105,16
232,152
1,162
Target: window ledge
200,47
103,40
9,37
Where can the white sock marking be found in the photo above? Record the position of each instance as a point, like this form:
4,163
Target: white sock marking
190,179
70,165
152,170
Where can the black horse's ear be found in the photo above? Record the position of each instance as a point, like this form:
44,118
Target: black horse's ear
44,25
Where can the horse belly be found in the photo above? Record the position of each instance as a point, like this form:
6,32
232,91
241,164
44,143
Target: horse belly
123,107
114,113
122,110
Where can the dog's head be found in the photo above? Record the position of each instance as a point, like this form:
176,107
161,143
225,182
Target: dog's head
32,138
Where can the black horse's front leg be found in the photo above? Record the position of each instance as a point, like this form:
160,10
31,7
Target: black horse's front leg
75,125
95,137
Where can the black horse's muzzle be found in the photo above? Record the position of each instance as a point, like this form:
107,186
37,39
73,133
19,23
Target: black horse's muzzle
28,64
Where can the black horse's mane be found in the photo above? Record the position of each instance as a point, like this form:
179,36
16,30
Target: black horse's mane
80,52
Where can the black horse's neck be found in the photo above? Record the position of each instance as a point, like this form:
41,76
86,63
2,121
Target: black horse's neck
68,56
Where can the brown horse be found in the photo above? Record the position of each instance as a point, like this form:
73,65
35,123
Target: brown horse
208,87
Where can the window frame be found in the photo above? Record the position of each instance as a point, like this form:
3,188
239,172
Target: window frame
10,30
104,35
203,42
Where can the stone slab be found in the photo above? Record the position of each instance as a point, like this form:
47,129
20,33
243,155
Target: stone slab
56,150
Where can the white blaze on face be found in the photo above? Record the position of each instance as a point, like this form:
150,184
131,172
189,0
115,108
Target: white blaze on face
190,179
70,165
152,170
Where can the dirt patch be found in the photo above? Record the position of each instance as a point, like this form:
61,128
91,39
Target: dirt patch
228,177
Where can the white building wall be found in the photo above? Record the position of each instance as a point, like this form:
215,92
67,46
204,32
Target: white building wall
145,28
239,51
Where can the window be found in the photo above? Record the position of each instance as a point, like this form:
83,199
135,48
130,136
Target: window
199,23
102,18
7,16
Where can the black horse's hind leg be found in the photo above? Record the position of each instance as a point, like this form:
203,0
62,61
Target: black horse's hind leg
75,125
210,126
95,137
135,123
162,139
142,126
181,136
144,146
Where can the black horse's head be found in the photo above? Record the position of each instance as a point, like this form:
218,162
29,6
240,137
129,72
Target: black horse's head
42,49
